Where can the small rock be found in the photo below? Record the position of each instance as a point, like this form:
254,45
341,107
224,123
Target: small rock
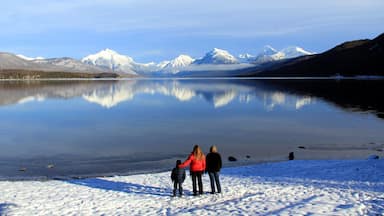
373,157
23,169
231,158
248,156
291,156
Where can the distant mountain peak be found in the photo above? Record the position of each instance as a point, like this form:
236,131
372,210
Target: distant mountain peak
183,56
108,51
294,51
217,50
178,63
182,60
217,56
246,56
112,60
269,50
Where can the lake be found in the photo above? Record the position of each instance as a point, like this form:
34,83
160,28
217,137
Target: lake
80,128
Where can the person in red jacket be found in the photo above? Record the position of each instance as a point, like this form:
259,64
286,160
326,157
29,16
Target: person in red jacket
196,160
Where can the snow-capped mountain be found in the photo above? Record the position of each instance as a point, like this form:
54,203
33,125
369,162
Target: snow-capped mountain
71,64
293,52
111,60
266,55
178,64
268,50
162,64
217,56
270,54
245,58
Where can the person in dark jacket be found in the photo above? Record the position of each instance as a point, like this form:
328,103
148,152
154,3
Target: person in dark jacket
178,177
214,164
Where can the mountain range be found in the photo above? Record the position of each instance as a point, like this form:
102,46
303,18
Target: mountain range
108,62
353,58
269,54
216,59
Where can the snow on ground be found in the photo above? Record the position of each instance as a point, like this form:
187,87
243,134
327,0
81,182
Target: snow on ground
333,187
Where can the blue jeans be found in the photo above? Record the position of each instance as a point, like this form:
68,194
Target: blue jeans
214,178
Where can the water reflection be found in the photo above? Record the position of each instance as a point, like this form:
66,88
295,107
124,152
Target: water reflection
109,94
94,127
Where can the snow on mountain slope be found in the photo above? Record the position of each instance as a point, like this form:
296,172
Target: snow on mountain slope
71,64
217,56
268,50
245,58
266,55
293,52
162,64
177,64
111,60
270,54
29,58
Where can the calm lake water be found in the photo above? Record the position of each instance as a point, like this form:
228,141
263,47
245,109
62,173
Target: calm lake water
105,127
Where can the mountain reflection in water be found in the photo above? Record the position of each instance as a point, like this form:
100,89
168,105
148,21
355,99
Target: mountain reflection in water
111,93
99,127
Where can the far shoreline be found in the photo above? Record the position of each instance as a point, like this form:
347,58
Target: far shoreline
357,77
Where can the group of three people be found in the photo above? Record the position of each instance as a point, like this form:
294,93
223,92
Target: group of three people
199,163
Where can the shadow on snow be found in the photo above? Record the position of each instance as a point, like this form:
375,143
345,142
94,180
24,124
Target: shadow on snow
365,175
121,187
4,207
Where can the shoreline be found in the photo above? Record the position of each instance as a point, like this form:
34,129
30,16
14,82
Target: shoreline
226,165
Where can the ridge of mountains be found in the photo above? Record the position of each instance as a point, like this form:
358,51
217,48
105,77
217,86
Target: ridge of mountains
109,62
353,58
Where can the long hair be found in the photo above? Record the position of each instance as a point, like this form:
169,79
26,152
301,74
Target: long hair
198,153
213,149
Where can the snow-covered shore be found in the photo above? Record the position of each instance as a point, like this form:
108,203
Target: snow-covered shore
327,187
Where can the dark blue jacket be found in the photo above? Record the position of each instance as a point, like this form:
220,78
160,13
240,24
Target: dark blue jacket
178,175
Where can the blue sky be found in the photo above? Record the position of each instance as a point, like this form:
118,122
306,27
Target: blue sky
153,30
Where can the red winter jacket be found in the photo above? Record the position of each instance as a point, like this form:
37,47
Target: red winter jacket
196,165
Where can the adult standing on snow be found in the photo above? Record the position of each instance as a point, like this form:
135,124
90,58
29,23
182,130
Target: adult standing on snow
214,164
196,160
